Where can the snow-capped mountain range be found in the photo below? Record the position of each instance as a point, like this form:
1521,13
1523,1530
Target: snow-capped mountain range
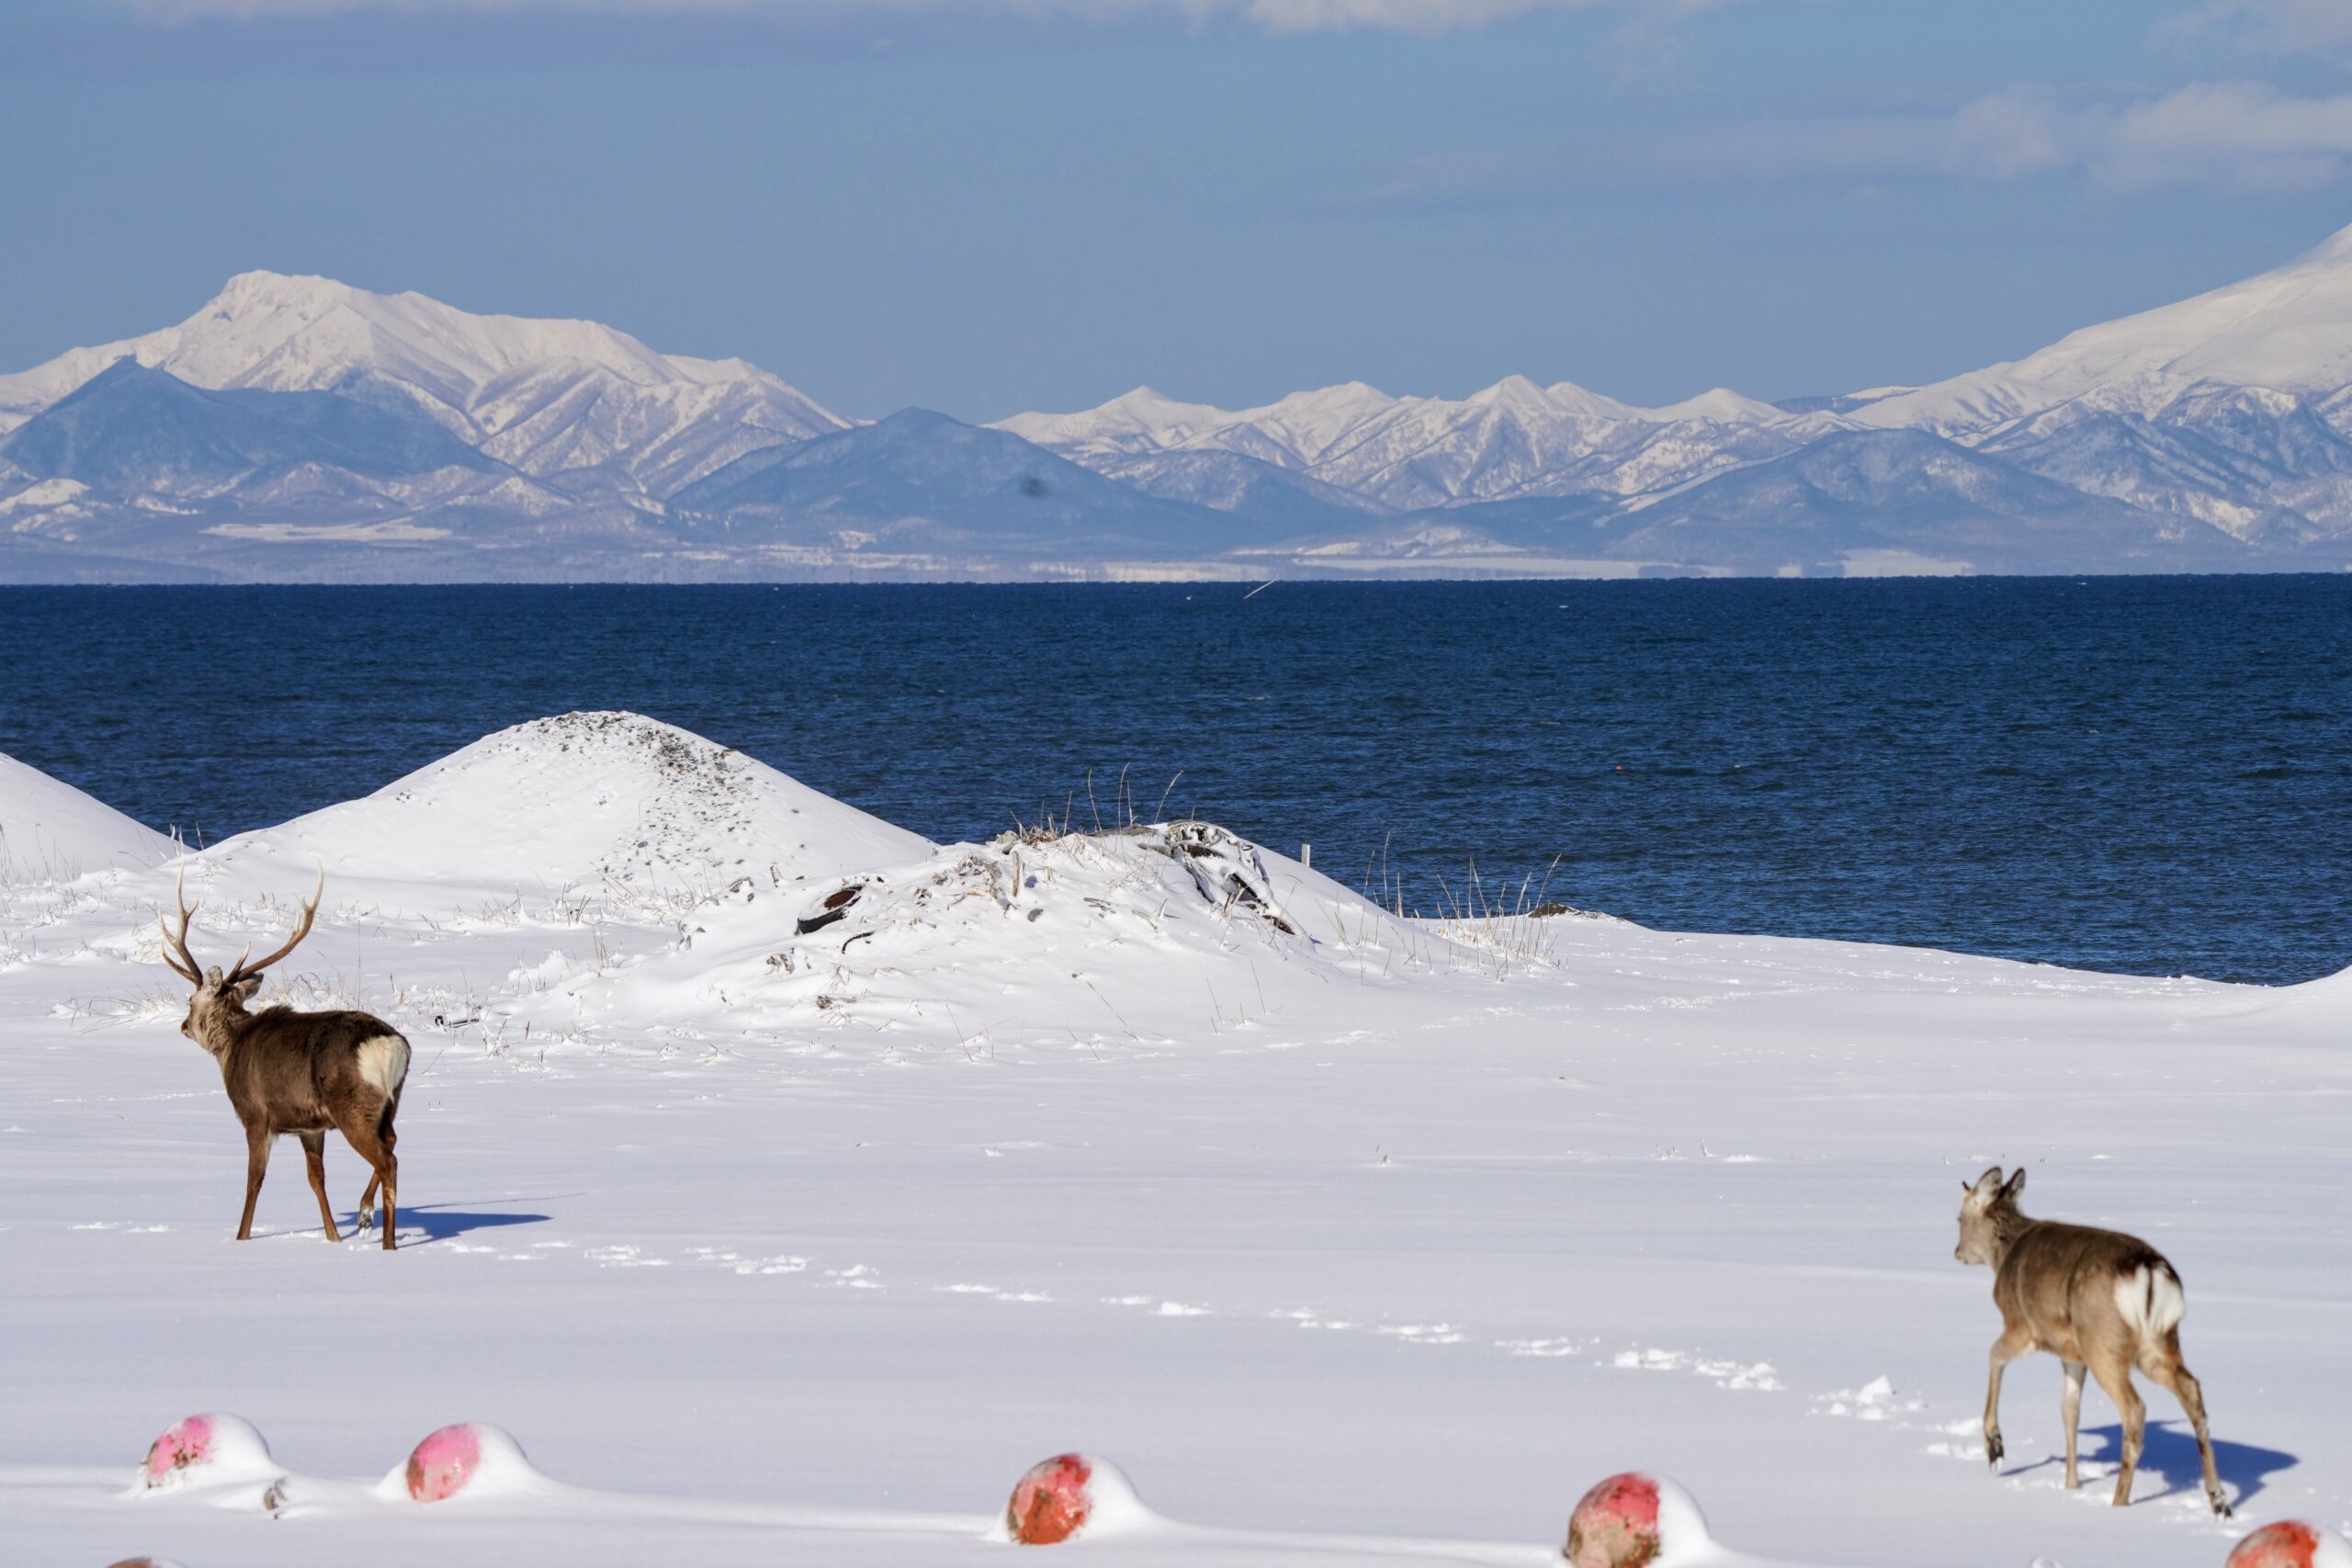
300,427
543,397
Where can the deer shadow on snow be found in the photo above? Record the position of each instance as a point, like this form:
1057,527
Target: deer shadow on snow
2170,1453
428,1223
440,1222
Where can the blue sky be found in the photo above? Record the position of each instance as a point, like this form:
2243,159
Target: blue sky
984,206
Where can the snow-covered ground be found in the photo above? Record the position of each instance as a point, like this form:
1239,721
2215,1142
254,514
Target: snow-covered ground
1347,1235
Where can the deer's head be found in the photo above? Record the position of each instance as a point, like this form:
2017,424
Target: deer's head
217,1005
1982,1213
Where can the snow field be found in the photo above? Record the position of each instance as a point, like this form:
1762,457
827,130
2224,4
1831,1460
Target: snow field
1361,1239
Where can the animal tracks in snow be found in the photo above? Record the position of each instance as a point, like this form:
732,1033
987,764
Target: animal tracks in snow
737,1263
1874,1401
1760,1376
992,1294
622,1257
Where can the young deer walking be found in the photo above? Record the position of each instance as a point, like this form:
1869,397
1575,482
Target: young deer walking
296,1072
2093,1298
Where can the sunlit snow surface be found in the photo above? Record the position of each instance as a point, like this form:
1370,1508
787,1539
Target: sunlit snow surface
1343,1236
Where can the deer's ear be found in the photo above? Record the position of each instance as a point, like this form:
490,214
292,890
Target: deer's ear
2016,1186
243,991
212,976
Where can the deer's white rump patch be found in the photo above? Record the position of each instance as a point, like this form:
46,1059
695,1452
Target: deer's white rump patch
383,1062
2151,1301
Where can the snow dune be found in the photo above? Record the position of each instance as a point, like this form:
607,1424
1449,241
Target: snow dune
581,799
50,830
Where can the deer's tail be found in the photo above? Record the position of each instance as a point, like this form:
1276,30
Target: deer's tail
383,1063
2151,1300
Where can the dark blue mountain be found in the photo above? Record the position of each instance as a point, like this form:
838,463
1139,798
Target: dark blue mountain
133,429
921,481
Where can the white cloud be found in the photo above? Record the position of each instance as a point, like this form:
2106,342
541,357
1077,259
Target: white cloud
2239,131
2267,27
2216,133
2239,134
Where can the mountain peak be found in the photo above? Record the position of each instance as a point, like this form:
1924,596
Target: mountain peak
1719,404
2289,328
1511,392
541,394
262,286
2337,247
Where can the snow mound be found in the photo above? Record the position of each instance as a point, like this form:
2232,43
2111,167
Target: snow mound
1172,932
584,798
50,831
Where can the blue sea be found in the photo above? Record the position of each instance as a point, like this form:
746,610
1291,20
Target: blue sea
2142,774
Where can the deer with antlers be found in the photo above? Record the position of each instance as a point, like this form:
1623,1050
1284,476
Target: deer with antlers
296,1072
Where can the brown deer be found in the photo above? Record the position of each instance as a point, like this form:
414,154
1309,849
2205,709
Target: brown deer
2093,1298
296,1072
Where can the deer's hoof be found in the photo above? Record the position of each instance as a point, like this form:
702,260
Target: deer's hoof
1994,1453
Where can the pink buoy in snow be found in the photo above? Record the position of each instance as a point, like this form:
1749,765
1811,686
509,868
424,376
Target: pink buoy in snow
2290,1543
184,1445
1634,1520
439,1467
205,1450
1069,1495
1049,1502
470,1456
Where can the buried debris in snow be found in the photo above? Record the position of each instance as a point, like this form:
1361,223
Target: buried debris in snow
1227,868
2290,1543
834,905
1071,1496
1634,1520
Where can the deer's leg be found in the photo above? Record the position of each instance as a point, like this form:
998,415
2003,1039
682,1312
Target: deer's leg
2169,1370
2015,1341
2070,1411
314,1156
258,1141
376,1178
391,1177
2114,1375
375,1149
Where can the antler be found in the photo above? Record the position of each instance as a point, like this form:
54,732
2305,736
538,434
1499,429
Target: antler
301,929
176,952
